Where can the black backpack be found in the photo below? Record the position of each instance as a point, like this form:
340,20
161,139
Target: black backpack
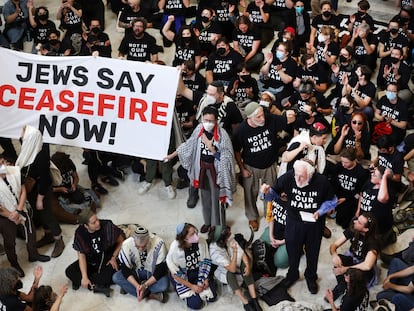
263,258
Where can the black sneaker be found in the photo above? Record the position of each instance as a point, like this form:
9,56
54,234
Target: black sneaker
19,270
312,286
192,197
110,181
98,188
182,183
45,240
287,283
41,258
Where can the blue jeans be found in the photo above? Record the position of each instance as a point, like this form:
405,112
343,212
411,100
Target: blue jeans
160,286
401,301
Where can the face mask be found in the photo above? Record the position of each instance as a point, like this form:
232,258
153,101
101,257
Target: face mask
193,239
280,55
299,9
326,14
394,31
391,95
344,109
404,20
18,285
186,40
394,60
221,51
210,100
284,39
244,77
43,17
305,115
321,38
264,103
54,42
205,19
314,67
3,169
342,59
95,30
208,126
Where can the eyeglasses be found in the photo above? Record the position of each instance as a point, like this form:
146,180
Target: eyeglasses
356,122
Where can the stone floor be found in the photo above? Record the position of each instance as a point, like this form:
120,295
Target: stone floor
160,215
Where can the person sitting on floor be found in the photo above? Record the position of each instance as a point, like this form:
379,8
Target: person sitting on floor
98,243
232,261
143,272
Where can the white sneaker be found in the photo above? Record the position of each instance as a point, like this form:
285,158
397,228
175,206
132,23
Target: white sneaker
170,192
144,187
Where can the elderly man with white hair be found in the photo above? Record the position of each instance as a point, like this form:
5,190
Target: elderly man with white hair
310,196
256,146
144,271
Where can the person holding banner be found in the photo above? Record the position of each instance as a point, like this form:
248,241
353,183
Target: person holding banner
208,157
34,161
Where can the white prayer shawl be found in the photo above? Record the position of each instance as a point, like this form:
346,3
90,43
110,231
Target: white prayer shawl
315,153
176,256
156,253
31,146
7,199
203,104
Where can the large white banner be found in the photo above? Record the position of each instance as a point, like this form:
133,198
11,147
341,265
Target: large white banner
98,103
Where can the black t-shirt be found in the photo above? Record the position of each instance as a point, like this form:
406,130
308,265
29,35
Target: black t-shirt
206,154
11,303
192,257
240,94
381,211
256,16
297,102
279,215
40,31
128,15
195,83
138,49
348,182
360,53
174,7
259,146
397,112
246,40
70,21
318,22
363,17
404,74
349,142
205,35
333,50
360,245
355,303
289,66
183,53
364,91
224,67
308,198
301,125
400,41
185,110
394,162
316,75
